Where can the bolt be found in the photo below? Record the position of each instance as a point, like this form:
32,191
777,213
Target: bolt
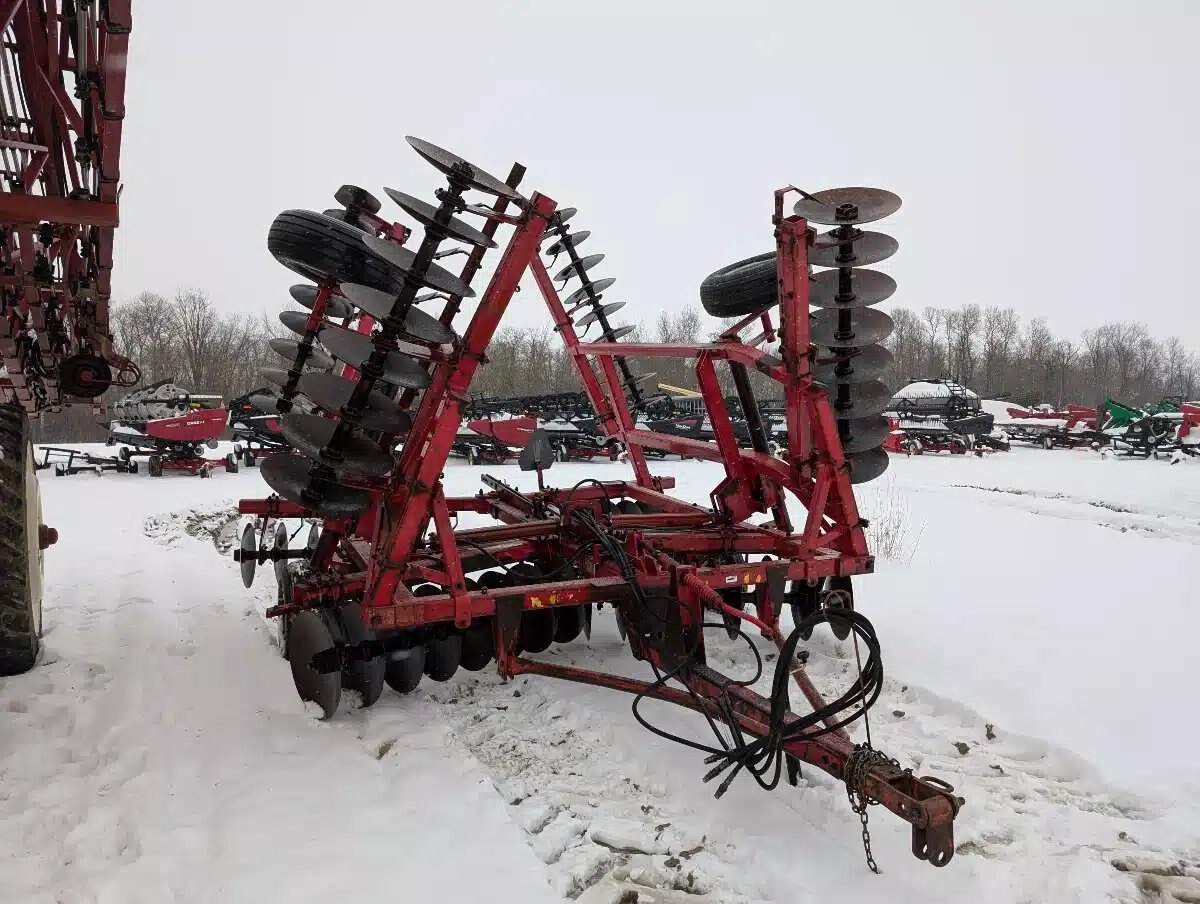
846,212
47,536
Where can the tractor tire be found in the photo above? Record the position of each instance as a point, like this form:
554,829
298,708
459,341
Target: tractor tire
317,246
154,466
231,463
20,547
747,287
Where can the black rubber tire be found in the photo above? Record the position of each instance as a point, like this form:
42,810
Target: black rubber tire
154,466
20,555
316,246
249,459
231,463
473,457
746,287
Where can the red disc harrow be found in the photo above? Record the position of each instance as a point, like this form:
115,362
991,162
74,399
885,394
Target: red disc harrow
385,594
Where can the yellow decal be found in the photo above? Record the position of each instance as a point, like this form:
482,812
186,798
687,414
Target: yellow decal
536,602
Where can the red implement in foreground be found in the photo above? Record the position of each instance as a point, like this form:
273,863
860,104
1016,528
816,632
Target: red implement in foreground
60,141
391,591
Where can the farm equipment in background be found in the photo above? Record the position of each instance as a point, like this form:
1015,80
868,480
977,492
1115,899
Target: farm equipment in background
1072,427
171,428
62,106
255,433
67,462
494,442
393,591
941,415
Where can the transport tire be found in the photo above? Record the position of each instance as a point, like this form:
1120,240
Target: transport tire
317,246
20,546
746,287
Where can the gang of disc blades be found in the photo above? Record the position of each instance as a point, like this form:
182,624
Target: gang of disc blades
290,348
426,214
354,349
290,476
578,268
417,323
864,433
574,240
331,393
581,294
868,287
402,259
865,399
868,364
309,434
590,318
823,207
353,196
866,466
868,326
306,295
867,248
447,162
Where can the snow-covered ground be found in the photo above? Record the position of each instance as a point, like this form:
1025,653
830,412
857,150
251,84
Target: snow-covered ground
1038,619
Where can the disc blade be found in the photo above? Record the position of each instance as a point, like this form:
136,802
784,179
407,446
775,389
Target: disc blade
866,466
582,293
866,248
578,268
838,206
867,287
249,546
417,323
353,196
864,433
276,375
331,393
402,259
868,364
592,317
860,399
619,332
561,216
281,542
295,321
867,326
574,240
265,401
306,295
290,477
309,434
448,162
290,348
354,349
426,214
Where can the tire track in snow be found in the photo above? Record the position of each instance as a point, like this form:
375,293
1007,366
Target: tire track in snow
1159,525
602,835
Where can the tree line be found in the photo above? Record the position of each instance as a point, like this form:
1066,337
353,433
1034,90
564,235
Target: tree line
994,352
991,350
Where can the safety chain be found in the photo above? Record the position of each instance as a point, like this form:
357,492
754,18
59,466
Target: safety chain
859,764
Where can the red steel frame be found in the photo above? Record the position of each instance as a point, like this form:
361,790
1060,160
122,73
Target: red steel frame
60,159
678,547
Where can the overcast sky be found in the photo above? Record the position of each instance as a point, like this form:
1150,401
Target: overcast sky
1045,151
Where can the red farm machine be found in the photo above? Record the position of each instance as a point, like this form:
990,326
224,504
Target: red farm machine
62,102
392,590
